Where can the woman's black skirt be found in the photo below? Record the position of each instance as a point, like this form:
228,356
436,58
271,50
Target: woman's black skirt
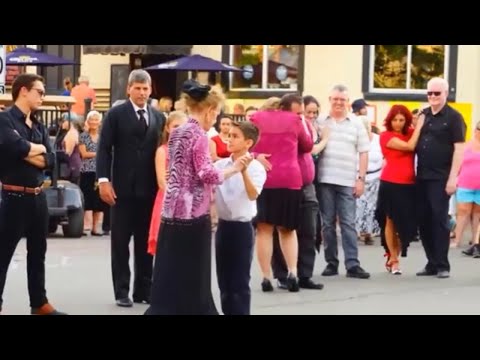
397,201
90,192
280,207
182,272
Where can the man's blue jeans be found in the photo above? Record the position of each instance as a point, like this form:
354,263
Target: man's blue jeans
339,201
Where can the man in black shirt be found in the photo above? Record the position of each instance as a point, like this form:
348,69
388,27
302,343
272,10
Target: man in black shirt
25,153
439,153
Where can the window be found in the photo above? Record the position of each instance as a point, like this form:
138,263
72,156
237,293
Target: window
403,71
270,70
54,75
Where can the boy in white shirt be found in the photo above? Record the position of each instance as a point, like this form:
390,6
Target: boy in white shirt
236,206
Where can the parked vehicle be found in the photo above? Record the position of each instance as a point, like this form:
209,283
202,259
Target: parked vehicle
65,199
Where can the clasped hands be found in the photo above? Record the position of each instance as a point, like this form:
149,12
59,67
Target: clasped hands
242,162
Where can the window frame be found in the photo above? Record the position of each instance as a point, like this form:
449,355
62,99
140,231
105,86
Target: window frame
371,93
262,93
59,72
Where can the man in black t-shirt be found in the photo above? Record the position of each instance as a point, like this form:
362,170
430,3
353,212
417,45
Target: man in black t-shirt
439,152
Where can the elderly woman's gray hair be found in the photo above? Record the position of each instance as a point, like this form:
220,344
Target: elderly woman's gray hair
92,114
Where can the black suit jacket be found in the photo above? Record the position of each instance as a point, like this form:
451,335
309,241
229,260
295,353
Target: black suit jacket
126,155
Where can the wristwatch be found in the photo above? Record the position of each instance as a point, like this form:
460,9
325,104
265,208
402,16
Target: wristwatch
361,178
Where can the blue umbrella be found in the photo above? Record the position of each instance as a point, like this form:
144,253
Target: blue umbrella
28,56
195,63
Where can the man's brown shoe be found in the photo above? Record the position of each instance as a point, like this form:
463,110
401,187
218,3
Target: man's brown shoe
46,309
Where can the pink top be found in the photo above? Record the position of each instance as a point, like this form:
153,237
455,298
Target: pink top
469,172
191,173
156,218
305,160
282,135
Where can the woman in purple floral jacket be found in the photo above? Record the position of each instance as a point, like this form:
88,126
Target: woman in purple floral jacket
182,272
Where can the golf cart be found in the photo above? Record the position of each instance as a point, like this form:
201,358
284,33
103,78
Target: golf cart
65,199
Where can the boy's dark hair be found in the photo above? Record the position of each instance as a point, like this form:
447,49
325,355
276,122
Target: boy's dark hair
249,130
24,80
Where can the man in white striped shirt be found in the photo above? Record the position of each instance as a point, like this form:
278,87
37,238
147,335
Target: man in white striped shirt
340,183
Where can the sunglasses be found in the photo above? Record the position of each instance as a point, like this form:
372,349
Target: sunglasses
436,93
39,91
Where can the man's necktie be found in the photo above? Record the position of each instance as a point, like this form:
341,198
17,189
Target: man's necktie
142,119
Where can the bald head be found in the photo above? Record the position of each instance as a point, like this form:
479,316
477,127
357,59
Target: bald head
438,83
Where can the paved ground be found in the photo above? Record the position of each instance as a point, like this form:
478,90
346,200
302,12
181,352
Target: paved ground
79,282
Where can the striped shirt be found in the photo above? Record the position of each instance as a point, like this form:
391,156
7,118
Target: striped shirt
338,163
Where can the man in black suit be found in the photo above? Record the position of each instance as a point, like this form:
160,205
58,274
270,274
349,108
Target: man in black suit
129,137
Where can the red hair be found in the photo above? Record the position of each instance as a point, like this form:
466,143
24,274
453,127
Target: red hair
394,111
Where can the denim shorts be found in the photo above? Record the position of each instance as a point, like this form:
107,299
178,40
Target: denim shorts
468,196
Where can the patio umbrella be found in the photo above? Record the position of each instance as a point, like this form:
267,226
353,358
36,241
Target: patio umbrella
195,63
32,57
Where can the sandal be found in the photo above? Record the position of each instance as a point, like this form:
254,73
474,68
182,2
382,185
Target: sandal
388,266
395,270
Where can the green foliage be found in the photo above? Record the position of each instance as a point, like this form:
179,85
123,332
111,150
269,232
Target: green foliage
390,67
248,58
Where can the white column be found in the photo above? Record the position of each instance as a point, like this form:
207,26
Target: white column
3,71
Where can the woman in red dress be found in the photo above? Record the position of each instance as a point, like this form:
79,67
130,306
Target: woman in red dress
396,195
220,141
174,120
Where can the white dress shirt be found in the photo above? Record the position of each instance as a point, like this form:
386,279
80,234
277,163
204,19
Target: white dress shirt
231,197
375,159
145,114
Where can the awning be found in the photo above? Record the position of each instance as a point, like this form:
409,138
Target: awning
137,49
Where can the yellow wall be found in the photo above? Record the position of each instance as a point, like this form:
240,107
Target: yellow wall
97,68
328,65
468,83
212,51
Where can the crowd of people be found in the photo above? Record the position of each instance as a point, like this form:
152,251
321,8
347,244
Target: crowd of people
280,184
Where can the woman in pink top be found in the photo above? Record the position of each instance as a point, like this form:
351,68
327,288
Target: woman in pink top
283,136
468,191
174,120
